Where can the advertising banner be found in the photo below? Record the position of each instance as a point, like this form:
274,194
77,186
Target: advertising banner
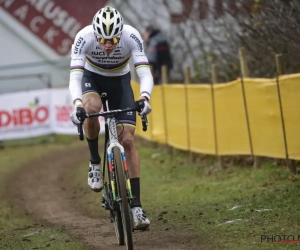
61,109
39,112
25,114
55,23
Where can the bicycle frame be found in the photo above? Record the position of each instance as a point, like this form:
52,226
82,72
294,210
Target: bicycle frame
114,142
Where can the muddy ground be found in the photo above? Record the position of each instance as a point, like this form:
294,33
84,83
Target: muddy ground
44,190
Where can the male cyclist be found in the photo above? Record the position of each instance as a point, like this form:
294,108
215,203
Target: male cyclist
99,63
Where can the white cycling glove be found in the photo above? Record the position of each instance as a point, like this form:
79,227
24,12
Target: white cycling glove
78,116
147,109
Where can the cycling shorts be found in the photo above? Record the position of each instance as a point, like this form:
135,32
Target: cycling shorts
119,93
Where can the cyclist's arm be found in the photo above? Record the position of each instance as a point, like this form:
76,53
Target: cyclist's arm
143,71
142,67
77,67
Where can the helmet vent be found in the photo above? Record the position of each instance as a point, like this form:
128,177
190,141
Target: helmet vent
118,20
116,31
110,29
104,28
99,31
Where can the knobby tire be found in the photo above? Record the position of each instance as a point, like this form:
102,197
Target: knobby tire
124,206
116,214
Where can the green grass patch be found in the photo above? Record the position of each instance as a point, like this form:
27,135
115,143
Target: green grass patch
234,208
18,231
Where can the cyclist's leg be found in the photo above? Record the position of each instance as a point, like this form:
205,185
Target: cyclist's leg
122,98
92,104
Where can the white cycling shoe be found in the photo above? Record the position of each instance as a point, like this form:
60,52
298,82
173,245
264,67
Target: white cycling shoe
95,180
140,219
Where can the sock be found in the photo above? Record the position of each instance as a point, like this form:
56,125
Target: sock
135,187
94,153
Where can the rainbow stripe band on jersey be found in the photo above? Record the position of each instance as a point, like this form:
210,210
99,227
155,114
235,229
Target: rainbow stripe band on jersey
77,102
145,92
126,123
141,64
88,92
107,67
77,68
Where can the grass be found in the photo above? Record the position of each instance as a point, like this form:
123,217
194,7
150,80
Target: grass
235,208
18,231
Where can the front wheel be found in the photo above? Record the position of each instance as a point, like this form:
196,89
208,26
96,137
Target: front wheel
122,194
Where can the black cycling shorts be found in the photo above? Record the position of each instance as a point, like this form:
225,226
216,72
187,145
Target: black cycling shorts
119,93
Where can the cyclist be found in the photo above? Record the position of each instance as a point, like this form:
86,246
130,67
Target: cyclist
99,63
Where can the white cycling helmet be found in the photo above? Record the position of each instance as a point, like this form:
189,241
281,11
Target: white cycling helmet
108,23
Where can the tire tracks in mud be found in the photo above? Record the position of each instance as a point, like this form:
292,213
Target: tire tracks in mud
42,189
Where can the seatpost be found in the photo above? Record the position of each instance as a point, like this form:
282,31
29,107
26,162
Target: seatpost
104,101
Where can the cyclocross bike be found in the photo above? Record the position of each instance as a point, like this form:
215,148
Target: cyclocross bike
116,194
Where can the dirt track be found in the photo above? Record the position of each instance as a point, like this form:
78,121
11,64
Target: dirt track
42,188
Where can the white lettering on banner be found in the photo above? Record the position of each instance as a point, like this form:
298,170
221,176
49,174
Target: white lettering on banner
60,18
71,27
49,13
7,3
35,21
48,20
40,4
21,12
49,35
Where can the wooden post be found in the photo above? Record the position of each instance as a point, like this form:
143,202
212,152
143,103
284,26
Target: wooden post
280,71
245,73
164,74
187,75
279,65
187,80
243,62
214,80
164,70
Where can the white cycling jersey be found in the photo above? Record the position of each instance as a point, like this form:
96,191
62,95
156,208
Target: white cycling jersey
87,54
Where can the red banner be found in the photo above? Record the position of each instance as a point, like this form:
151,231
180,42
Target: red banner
55,22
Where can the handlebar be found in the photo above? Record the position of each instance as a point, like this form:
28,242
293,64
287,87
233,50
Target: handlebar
139,105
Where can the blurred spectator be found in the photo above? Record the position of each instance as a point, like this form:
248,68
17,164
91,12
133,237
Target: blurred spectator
157,52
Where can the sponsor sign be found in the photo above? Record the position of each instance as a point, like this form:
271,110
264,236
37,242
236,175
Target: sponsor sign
54,22
37,112
26,116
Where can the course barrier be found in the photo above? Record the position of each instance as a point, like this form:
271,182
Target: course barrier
244,117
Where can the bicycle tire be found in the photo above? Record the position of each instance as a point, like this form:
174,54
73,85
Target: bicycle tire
119,227
116,217
124,205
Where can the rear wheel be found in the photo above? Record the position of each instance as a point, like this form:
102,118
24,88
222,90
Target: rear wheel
122,193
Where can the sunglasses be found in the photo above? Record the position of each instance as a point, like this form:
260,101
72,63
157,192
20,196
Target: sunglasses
113,41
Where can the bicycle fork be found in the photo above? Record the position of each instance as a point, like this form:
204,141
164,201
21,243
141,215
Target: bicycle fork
113,138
